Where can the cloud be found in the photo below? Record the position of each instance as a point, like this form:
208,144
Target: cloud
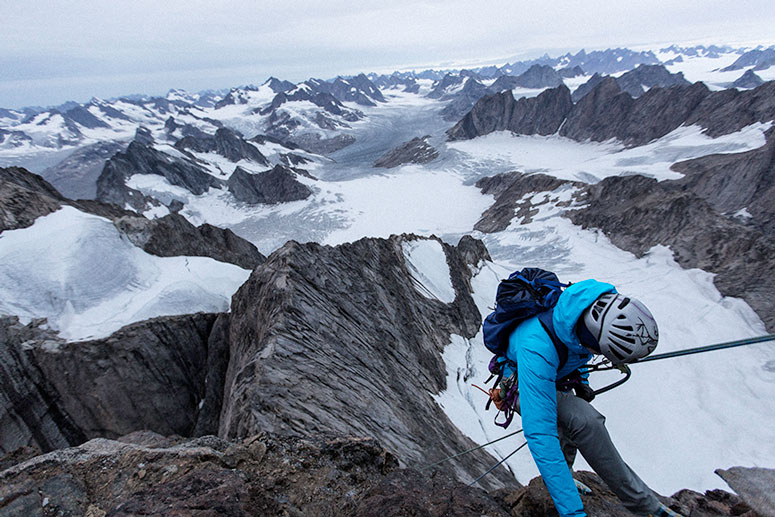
49,39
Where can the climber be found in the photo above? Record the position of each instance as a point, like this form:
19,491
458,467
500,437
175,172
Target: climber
589,318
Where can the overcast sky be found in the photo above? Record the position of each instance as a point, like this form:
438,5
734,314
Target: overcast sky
55,50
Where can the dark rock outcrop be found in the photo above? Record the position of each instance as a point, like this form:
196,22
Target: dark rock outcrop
508,190
172,235
748,80
226,143
317,144
278,185
463,99
539,76
416,150
141,159
24,197
759,58
149,375
649,76
358,89
606,112
756,486
587,87
339,340
76,176
541,115
267,474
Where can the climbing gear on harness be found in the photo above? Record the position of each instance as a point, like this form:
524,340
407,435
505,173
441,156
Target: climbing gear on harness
623,328
471,450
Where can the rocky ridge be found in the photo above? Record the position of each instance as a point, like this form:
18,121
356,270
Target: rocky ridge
267,474
25,196
607,112
416,150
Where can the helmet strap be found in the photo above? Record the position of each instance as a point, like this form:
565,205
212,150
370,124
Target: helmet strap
586,337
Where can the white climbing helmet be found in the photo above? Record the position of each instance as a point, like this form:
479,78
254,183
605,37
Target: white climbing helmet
623,327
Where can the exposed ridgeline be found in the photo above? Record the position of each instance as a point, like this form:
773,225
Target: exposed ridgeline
276,185
607,112
719,217
462,91
319,340
25,196
340,339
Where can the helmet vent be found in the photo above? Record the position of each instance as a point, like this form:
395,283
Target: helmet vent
616,353
624,303
623,338
627,328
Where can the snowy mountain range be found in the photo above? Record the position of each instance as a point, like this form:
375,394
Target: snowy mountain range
280,212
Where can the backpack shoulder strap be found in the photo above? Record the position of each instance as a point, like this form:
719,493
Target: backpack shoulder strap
546,321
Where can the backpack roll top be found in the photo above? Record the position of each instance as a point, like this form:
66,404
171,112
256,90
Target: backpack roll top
524,294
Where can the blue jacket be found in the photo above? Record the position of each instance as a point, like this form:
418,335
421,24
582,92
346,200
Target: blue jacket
538,370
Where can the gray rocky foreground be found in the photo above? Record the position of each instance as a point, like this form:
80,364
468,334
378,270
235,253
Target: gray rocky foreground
325,475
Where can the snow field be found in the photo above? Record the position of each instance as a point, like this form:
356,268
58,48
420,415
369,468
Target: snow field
427,263
592,161
79,272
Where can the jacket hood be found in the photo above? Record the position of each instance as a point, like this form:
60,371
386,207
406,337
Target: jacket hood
571,305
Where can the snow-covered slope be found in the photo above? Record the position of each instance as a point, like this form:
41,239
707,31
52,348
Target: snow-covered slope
79,272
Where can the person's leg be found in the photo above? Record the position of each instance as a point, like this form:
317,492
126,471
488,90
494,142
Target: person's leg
584,427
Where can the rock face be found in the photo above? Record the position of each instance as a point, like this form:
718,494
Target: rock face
150,375
638,213
537,115
760,59
141,159
606,112
25,196
76,176
339,340
649,76
266,474
748,80
226,143
172,235
277,185
416,150
509,190
755,486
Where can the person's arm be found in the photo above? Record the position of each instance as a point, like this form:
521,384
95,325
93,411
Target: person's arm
538,402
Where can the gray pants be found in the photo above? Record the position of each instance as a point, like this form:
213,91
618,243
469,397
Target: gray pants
582,428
